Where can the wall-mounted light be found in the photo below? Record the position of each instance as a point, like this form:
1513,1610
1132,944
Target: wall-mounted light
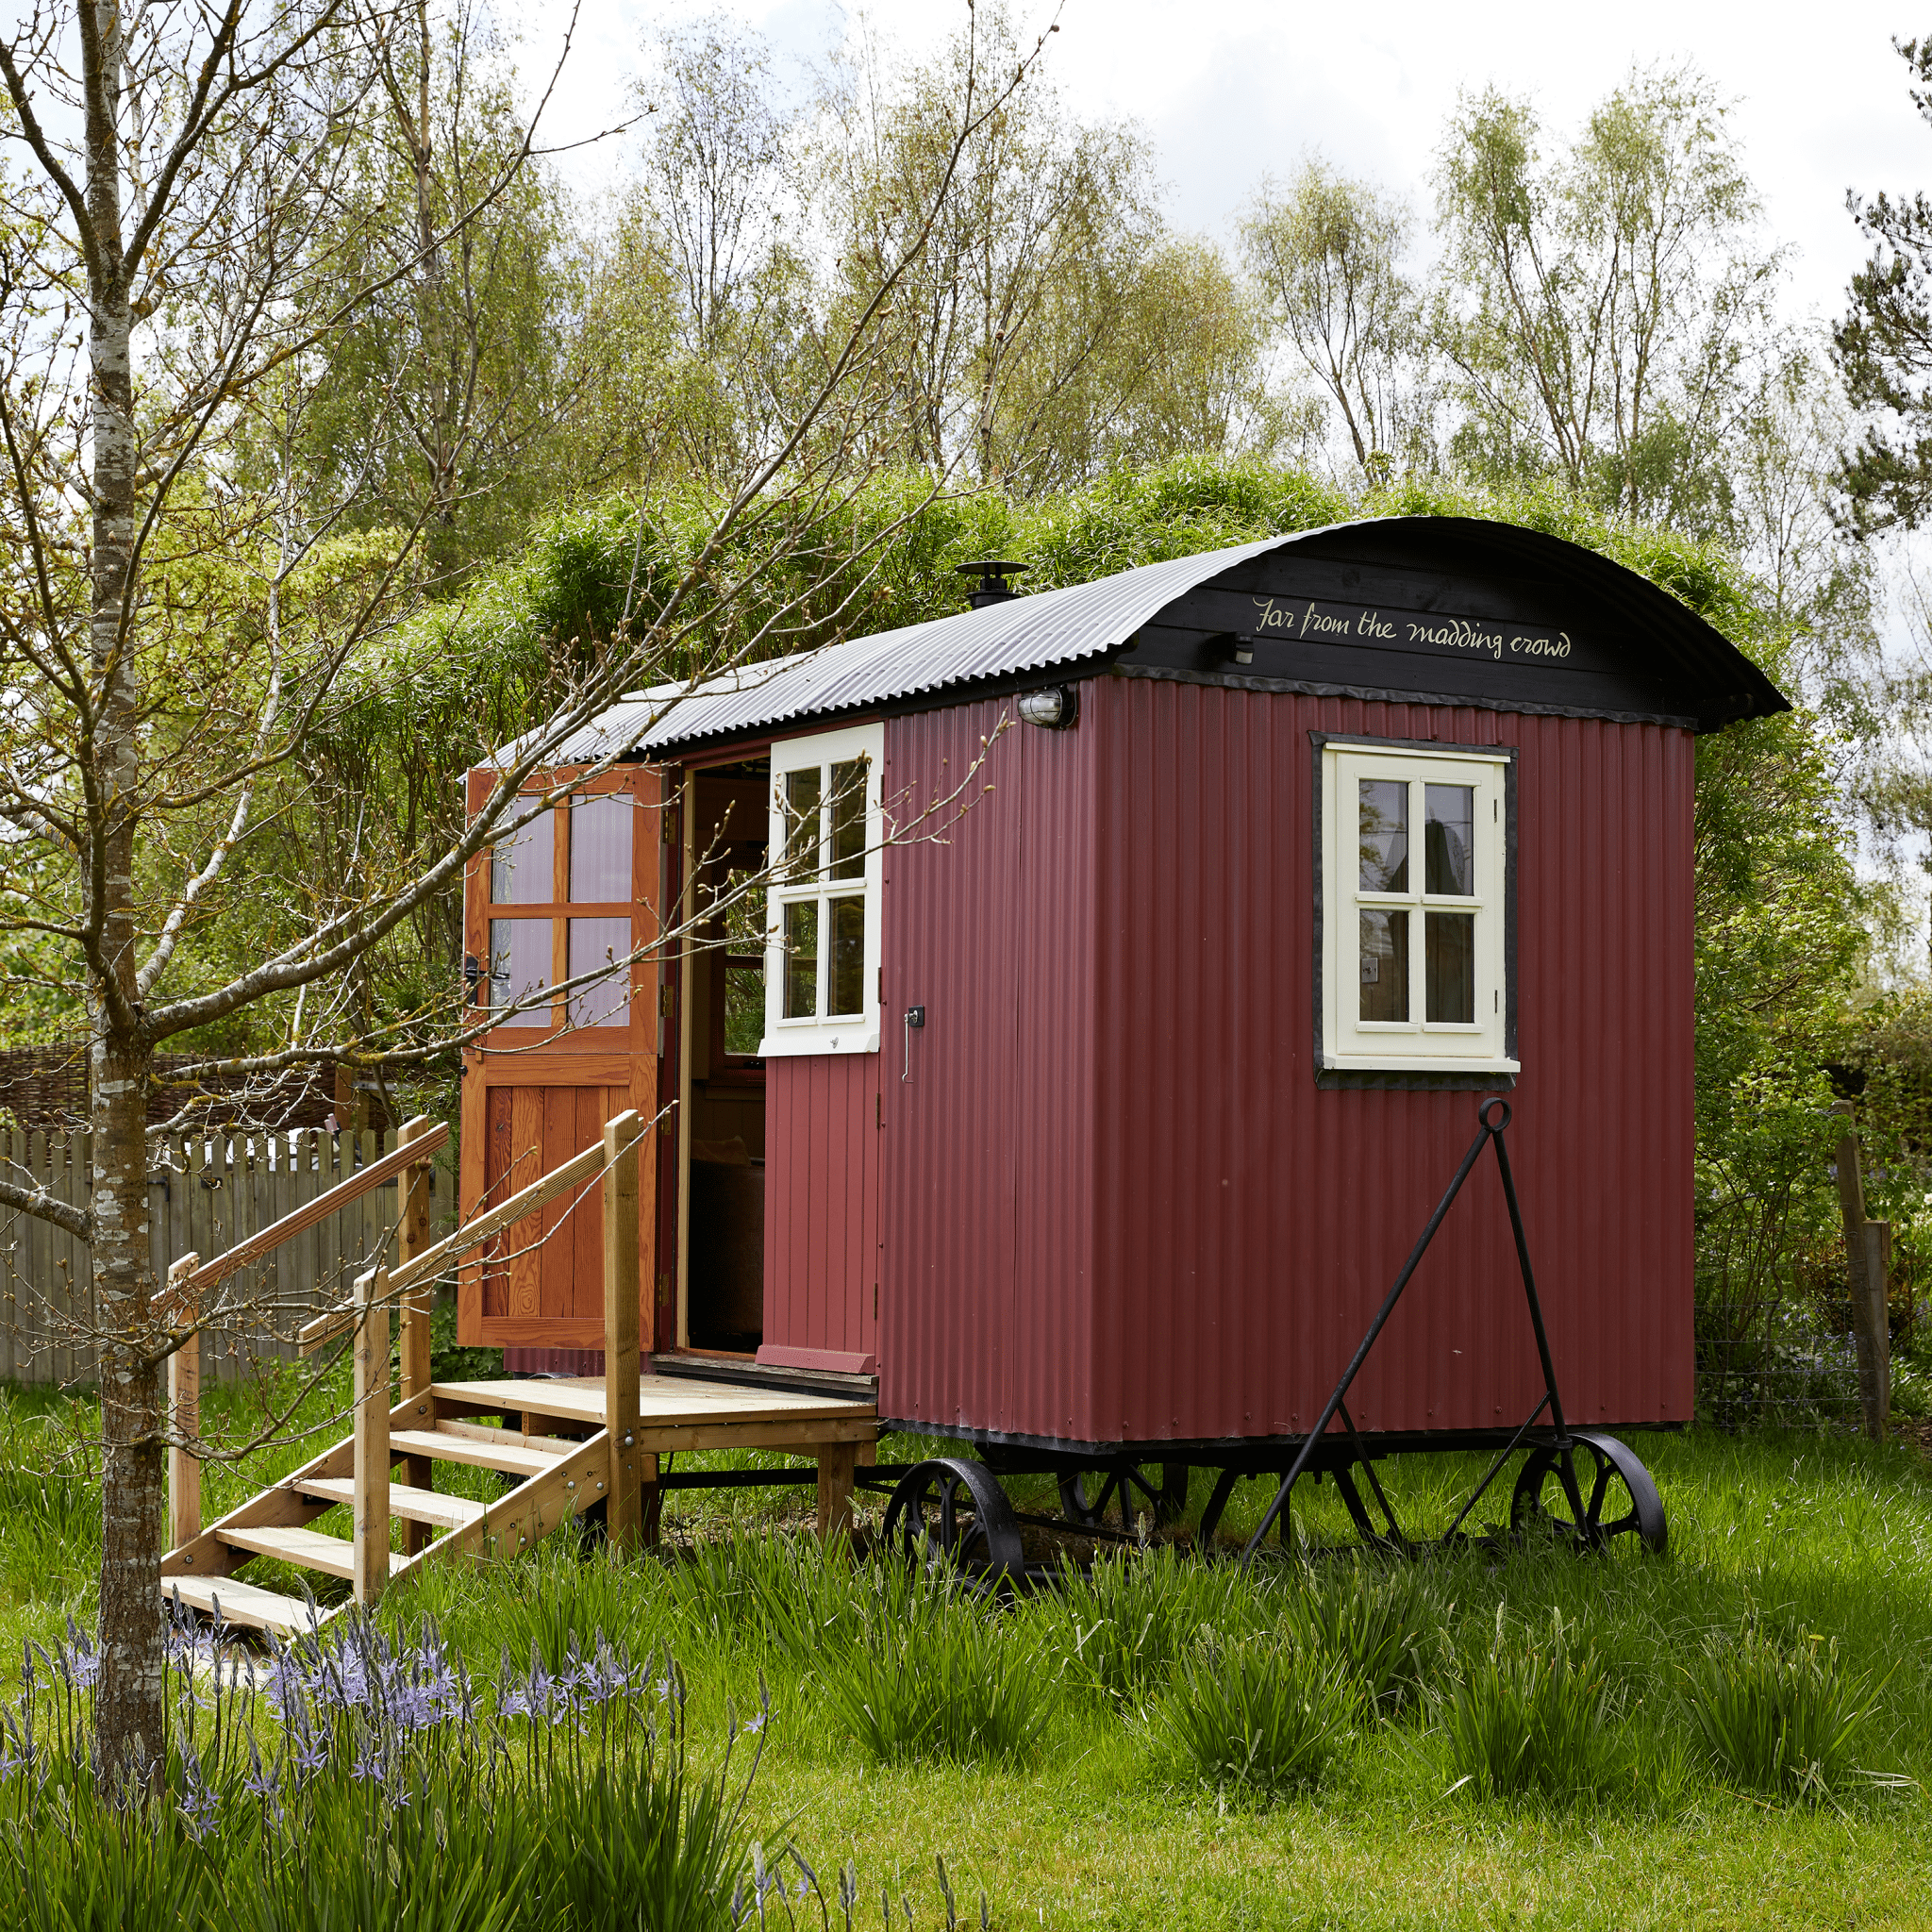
1243,648
1053,708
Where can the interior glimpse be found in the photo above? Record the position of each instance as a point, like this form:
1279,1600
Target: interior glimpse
726,1243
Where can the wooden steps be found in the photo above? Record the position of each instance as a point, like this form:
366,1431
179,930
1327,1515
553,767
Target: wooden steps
243,1603
476,1451
411,1505
552,1478
307,1549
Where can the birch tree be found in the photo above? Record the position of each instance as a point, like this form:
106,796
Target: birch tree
174,623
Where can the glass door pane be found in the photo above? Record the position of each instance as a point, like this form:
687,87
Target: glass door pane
595,943
523,869
599,833
520,964
802,792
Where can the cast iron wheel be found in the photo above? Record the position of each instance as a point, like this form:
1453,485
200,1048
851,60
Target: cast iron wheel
1619,1498
1168,1500
952,1511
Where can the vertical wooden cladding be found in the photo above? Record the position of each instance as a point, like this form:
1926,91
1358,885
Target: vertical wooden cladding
987,1310
1119,1207
531,1100
821,1212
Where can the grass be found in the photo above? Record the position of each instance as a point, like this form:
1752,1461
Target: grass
1789,1556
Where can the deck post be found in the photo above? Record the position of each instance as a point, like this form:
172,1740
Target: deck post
836,1462
183,1417
1867,1246
372,1436
623,1509
412,1237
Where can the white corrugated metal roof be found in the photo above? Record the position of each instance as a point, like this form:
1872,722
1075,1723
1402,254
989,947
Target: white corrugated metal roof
1024,634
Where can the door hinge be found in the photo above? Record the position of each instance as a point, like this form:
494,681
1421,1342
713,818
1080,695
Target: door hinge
663,1291
667,1000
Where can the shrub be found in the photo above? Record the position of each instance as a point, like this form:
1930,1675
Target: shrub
1782,1716
1530,1717
1258,1714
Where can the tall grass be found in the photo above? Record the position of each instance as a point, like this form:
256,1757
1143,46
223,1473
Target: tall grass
1264,1714
1776,1714
1531,1715
932,1670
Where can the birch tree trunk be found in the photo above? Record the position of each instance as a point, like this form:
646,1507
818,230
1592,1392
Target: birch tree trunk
130,1711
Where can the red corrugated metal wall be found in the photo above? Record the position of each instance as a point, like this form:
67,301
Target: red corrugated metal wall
1120,1090
822,1203
989,925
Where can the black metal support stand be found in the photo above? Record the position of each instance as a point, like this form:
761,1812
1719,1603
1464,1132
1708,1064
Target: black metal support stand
1494,1118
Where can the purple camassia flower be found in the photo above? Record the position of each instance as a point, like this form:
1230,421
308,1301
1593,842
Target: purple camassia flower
80,1660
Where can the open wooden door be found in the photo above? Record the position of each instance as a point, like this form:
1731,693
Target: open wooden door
579,887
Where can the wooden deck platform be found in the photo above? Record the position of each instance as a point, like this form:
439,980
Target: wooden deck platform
677,1412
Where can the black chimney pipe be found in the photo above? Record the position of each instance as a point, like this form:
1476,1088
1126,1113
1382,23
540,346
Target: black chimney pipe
994,588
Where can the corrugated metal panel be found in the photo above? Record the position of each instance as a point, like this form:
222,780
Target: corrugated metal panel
821,1202
1198,1234
986,1216
1083,621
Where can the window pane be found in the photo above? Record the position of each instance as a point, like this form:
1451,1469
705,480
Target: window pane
848,819
520,964
802,959
600,848
1385,965
802,822
1449,947
848,955
595,943
1384,818
1449,839
744,1004
521,869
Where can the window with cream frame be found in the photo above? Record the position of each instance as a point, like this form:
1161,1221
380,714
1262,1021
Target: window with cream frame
1415,914
821,959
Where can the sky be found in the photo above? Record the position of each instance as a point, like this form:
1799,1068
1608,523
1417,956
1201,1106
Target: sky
1230,90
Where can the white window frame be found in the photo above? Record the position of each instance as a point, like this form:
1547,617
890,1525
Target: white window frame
822,1033
1350,1044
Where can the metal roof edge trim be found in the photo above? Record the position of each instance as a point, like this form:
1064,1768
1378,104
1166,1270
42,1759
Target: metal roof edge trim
1382,696
1063,627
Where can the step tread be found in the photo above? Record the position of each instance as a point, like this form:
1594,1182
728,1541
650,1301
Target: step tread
510,1457
413,1506
308,1549
241,1603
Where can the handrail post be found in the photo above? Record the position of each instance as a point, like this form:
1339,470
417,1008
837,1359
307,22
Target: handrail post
412,1237
183,1416
372,1436
623,1367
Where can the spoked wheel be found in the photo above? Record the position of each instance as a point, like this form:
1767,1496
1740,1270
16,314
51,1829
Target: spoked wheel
1618,1496
952,1511
1086,1495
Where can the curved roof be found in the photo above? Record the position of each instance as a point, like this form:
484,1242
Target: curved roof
1706,677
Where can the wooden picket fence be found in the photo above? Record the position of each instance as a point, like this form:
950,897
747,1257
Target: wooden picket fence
205,1194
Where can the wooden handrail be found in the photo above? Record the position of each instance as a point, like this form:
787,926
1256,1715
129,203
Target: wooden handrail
431,1261
265,1241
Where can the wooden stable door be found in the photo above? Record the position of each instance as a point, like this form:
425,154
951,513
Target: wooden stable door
582,886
